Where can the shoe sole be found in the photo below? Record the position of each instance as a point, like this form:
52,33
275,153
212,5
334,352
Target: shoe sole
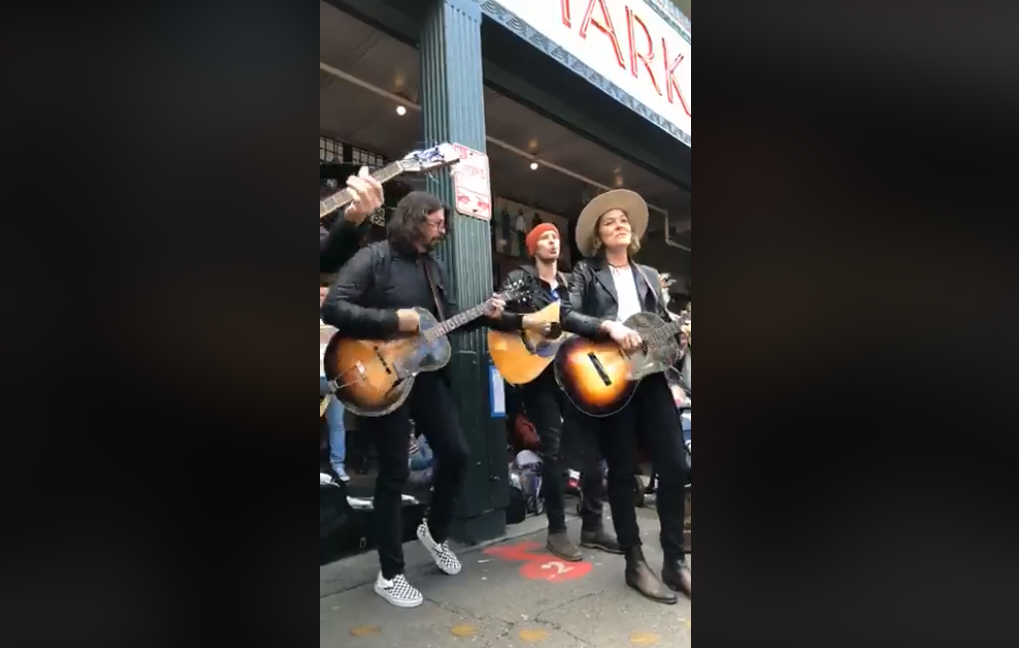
563,557
397,602
595,545
435,555
672,601
678,589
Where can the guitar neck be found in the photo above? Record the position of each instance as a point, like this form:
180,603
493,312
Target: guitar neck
669,330
344,196
460,319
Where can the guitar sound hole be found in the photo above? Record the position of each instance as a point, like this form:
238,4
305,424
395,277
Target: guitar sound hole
600,369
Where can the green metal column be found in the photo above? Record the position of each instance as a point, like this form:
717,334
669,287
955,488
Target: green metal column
453,102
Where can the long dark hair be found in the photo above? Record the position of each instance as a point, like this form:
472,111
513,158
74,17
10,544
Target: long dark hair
404,227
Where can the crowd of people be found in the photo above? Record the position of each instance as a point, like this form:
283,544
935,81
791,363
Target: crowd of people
603,291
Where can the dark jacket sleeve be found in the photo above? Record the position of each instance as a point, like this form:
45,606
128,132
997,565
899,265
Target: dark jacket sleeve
573,320
337,246
343,308
509,321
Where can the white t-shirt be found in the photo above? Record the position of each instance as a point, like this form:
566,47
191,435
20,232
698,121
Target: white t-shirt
626,291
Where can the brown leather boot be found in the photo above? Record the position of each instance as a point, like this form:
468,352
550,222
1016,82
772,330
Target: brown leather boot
561,546
599,539
676,575
640,577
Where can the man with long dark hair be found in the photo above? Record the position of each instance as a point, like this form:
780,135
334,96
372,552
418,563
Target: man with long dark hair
374,297
606,289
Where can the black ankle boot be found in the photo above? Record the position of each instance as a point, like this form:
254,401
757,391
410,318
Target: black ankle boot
676,575
640,577
599,539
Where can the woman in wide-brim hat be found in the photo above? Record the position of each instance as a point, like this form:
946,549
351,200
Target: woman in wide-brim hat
606,289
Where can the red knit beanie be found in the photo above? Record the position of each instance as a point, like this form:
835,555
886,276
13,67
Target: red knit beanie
536,233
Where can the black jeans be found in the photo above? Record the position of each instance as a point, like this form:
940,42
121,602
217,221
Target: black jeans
650,418
583,435
541,401
432,408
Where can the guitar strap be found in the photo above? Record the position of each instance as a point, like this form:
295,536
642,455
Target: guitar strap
439,305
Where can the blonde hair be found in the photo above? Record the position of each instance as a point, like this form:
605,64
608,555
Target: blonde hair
596,245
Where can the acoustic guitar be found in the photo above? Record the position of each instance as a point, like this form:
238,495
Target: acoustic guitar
422,161
600,379
521,356
374,377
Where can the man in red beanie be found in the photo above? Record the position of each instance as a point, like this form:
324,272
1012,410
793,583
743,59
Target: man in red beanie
541,396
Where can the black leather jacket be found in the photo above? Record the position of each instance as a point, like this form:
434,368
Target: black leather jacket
593,296
338,245
539,296
378,281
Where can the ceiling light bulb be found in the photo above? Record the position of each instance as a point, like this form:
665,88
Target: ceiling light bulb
401,111
534,166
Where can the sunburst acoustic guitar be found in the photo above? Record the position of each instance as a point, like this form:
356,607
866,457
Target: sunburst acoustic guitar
600,379
521,356
374,377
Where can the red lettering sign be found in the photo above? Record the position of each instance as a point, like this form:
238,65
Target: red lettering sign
640,44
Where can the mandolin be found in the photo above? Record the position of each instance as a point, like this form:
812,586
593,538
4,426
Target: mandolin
374,377
422,161
521,356
600,379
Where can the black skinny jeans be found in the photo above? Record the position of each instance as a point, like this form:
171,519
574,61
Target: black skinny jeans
584,437
650,418
432,408
541,401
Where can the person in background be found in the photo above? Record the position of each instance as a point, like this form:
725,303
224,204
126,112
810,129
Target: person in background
334,411
421,460
339,244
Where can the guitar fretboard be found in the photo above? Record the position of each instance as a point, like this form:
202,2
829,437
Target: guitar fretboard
662,334
448,326
339,199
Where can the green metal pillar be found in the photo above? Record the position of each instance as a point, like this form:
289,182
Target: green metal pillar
453,104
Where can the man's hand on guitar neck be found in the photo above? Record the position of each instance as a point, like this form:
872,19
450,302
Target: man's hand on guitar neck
368,197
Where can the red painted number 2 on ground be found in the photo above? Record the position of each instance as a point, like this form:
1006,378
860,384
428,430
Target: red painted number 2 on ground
540,566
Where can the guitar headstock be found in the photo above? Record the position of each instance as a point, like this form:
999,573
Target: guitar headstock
516,290
431,159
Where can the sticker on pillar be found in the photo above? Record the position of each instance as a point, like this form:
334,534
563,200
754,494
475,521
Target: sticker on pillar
471,184
497,390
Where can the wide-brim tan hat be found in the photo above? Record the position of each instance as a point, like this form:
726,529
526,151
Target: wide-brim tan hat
624,199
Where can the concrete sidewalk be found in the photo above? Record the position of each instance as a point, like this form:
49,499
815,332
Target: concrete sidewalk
512,593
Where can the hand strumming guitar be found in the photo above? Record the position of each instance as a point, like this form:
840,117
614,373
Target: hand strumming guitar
367,192
628,339
528,323
410,320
